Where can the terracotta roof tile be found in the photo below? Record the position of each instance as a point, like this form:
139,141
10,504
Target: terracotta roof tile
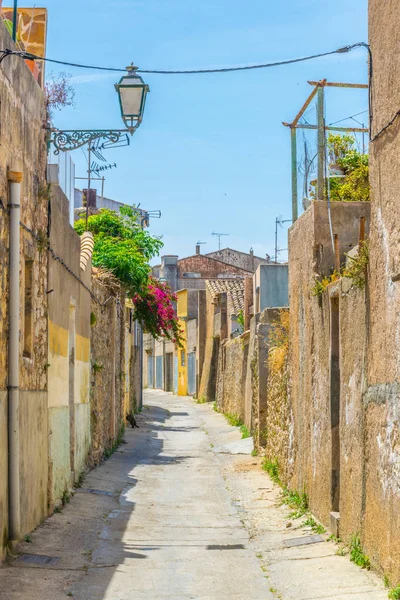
234,289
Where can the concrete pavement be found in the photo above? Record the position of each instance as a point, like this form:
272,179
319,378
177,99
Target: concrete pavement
167,517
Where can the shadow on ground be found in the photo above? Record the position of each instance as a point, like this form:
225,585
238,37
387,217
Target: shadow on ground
76,552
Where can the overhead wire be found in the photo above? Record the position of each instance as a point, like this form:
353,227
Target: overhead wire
30,56
351,117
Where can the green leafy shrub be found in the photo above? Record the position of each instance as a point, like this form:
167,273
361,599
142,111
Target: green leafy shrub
356,271
354,185
240,318
357,268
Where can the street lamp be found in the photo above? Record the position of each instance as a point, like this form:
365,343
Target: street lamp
132,92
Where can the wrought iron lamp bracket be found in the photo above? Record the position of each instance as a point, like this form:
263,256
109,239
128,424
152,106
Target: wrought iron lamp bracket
67,140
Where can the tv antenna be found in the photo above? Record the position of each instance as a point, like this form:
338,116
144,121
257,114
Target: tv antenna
279,221
219,236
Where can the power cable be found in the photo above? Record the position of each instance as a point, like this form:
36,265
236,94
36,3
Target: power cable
347,118
30,56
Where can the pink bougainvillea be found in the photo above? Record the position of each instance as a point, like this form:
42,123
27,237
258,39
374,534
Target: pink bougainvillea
155,310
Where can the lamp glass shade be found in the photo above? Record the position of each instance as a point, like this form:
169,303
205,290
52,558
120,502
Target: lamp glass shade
132,93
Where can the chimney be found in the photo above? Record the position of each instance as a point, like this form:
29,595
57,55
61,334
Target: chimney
252,259
92,197
197,248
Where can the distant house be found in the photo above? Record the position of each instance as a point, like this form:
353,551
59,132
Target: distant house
236,258
192,272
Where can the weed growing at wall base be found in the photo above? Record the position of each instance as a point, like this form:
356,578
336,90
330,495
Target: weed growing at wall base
272,468
297,502
236,421
357,555
233,420
394,594
245,432
312,523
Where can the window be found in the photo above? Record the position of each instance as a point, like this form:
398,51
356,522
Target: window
190,275
182,358
28,296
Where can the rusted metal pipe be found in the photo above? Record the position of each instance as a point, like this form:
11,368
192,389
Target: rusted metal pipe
14,481
337,253
362,231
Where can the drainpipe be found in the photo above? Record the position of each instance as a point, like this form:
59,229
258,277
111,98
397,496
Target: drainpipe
14,179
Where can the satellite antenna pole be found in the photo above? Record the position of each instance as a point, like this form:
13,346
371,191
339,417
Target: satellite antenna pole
279,221
219,235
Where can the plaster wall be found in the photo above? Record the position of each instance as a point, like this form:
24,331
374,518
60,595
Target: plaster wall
69,307
33,458
208,378
23,149
382,400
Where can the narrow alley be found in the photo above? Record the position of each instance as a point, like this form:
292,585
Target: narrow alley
173,514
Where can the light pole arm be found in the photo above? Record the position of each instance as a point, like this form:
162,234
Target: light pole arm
64,141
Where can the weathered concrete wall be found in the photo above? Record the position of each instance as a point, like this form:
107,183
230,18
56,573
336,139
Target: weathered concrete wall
353,348
68,353
327,339
382,414
231,375
23,149
309,356
107,398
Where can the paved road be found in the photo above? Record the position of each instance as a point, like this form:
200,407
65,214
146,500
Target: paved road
168,517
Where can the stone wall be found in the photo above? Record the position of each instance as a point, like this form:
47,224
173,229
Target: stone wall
107,398
231,376
23,149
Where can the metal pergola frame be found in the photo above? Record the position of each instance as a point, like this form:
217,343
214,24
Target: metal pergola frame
319,91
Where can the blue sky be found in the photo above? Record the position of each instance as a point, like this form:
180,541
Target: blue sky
212,153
